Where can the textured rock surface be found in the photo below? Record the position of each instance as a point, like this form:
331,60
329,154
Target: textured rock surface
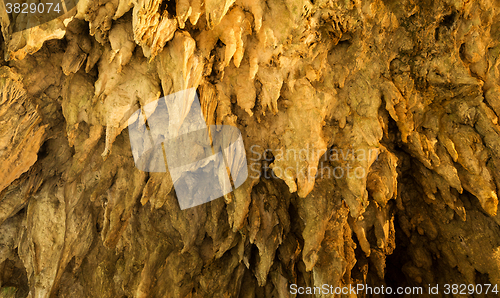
371,131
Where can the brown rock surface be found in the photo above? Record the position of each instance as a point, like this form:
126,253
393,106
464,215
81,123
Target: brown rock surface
371,132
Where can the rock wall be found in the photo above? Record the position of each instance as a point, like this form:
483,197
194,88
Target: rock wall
371,131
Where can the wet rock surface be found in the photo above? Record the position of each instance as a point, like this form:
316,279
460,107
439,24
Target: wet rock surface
370,128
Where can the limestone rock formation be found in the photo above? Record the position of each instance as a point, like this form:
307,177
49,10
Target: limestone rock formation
370,127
